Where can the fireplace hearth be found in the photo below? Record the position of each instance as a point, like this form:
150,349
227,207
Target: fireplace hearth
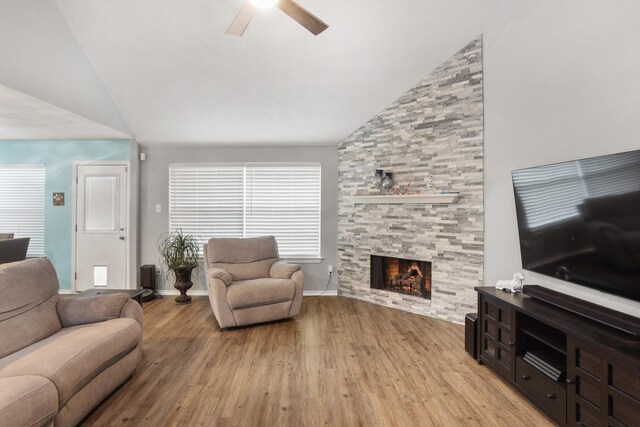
404,276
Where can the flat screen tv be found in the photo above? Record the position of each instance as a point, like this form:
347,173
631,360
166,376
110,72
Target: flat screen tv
579,221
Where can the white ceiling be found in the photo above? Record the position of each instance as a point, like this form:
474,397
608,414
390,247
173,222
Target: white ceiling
40,56
25,117
177,78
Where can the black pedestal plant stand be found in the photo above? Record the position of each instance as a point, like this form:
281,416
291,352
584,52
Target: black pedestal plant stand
180,254
183,283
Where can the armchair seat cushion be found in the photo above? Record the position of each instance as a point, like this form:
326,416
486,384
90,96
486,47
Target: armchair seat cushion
71,358
257,292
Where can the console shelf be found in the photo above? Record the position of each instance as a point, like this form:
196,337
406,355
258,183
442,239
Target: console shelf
548,338
534,345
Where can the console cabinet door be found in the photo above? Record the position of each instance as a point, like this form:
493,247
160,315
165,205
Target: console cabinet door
601,390
586,385
497,336
623,392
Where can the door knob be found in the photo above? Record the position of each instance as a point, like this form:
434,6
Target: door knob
121,237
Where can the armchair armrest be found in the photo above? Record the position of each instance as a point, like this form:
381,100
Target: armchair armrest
219,273
218,280
74,310
283,270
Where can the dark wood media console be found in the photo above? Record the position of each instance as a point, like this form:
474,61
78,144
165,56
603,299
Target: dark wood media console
577,371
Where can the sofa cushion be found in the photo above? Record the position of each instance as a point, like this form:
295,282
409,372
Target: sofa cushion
28,297
74,356
27,400
256,292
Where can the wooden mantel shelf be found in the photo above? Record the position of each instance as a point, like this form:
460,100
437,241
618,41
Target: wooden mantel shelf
435,198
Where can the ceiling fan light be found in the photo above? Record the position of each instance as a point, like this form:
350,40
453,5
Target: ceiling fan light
263,3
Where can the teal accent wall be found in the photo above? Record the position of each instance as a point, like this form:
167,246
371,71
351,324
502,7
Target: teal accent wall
58,156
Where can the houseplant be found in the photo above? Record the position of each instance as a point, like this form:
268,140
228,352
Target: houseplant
179,252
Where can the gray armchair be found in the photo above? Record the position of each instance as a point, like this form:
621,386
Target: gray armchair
248,284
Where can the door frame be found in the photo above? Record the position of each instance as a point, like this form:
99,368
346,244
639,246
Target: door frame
74,215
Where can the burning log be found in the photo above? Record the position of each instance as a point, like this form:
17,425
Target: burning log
410,282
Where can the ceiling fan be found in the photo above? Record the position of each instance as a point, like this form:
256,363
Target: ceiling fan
291,8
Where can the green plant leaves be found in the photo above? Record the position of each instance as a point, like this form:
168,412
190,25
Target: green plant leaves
179,250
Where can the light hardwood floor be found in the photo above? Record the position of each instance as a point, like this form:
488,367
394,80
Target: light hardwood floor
341,362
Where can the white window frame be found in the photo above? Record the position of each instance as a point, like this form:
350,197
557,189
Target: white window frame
32,225
248,171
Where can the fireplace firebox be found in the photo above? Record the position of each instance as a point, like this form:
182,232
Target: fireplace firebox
404,276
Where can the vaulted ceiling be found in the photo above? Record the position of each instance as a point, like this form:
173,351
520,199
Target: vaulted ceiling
175,77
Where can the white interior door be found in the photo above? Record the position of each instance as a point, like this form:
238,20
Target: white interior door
102,239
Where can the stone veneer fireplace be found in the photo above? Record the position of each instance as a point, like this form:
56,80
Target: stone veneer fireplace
431,137
404,276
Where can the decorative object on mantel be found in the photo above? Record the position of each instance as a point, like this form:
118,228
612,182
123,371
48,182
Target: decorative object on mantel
377,178
180,253
405,190
514,285
434,198
387,182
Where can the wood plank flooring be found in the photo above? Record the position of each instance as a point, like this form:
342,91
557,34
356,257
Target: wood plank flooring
341,362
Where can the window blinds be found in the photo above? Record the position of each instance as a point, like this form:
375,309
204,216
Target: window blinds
248,200
284,201
206,200
22,203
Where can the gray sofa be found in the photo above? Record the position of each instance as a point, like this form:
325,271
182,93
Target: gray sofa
248,284
60,356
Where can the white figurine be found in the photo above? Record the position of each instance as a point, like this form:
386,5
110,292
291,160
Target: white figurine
514,285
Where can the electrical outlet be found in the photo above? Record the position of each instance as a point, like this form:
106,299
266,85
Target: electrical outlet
330,270
158,271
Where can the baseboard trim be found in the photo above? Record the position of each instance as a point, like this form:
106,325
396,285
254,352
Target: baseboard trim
329,293
202,292
194,293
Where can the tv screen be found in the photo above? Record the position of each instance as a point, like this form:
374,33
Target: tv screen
579,221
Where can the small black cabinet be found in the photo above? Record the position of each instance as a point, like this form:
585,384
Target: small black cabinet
575,370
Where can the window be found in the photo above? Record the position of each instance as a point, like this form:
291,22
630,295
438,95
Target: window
248,200
22,203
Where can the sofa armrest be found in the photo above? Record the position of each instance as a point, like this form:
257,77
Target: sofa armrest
283,270
133,310
78,310
219,273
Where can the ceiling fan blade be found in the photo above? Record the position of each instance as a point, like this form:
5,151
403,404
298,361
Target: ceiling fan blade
302,16
242,19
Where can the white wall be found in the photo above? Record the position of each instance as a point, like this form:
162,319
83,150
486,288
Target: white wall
41,57
561,82
154,189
